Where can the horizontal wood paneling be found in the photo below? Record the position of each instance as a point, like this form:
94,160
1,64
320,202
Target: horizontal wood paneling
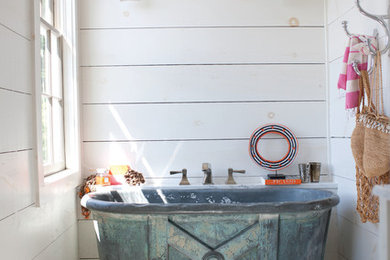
17,15
16,61
358,243
160,13
16,121
203,83
201,46
194,121
16,181
26,231
29,232
142,55
156,159
342,160
65,247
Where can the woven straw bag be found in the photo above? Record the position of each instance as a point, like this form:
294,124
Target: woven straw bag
357,137
370,143
370,140
376,155
368,204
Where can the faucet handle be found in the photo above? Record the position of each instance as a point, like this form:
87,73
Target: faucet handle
184,180
230,179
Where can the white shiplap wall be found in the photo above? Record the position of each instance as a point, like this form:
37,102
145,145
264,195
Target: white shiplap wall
168,85
26,232
357,241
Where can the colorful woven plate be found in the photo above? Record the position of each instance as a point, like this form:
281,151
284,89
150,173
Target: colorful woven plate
281,130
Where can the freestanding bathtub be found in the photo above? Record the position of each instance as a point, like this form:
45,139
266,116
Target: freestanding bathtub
211,223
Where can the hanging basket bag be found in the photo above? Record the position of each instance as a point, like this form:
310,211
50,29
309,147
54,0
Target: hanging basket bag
370,140
370,144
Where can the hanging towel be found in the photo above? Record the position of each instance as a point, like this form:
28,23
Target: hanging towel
357,50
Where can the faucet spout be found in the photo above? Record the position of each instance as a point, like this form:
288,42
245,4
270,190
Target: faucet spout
206,168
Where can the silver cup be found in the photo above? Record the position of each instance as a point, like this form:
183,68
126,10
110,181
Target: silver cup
304,172
315,171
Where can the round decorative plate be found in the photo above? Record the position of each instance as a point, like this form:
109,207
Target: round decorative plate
281,130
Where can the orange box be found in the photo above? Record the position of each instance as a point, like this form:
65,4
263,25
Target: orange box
283,182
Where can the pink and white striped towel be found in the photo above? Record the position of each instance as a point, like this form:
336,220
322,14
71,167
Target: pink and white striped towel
357,50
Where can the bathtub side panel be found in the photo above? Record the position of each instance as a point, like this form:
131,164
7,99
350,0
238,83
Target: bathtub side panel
269,239
158,237
303,235
287,236
122,237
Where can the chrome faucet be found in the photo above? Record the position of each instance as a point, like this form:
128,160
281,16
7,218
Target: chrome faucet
206,168
184,180
230,179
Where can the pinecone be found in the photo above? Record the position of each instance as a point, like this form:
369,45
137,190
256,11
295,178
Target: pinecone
134,178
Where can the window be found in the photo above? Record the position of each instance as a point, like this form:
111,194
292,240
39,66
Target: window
52,103
57,124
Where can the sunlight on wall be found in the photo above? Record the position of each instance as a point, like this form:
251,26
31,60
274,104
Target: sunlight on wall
121,125
119,156
171,160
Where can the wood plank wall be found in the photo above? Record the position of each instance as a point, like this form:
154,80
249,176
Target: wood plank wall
16,143
357,241
170,84
26,231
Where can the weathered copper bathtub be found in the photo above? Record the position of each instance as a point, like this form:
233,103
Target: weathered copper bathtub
211,223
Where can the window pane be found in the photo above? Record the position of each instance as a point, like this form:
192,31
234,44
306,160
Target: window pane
46,131
59,14
56,66
45,61
58,131
47,10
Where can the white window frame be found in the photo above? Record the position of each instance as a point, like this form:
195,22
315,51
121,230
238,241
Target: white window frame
69,175
54,165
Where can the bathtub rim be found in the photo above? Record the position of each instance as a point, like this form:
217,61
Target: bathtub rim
206,208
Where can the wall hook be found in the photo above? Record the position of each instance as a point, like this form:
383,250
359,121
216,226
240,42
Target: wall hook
372,50
381,20
345,26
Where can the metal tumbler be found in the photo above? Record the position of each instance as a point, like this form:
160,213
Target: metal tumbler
315,171
304,172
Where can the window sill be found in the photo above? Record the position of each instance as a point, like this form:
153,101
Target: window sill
59,176
58,184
